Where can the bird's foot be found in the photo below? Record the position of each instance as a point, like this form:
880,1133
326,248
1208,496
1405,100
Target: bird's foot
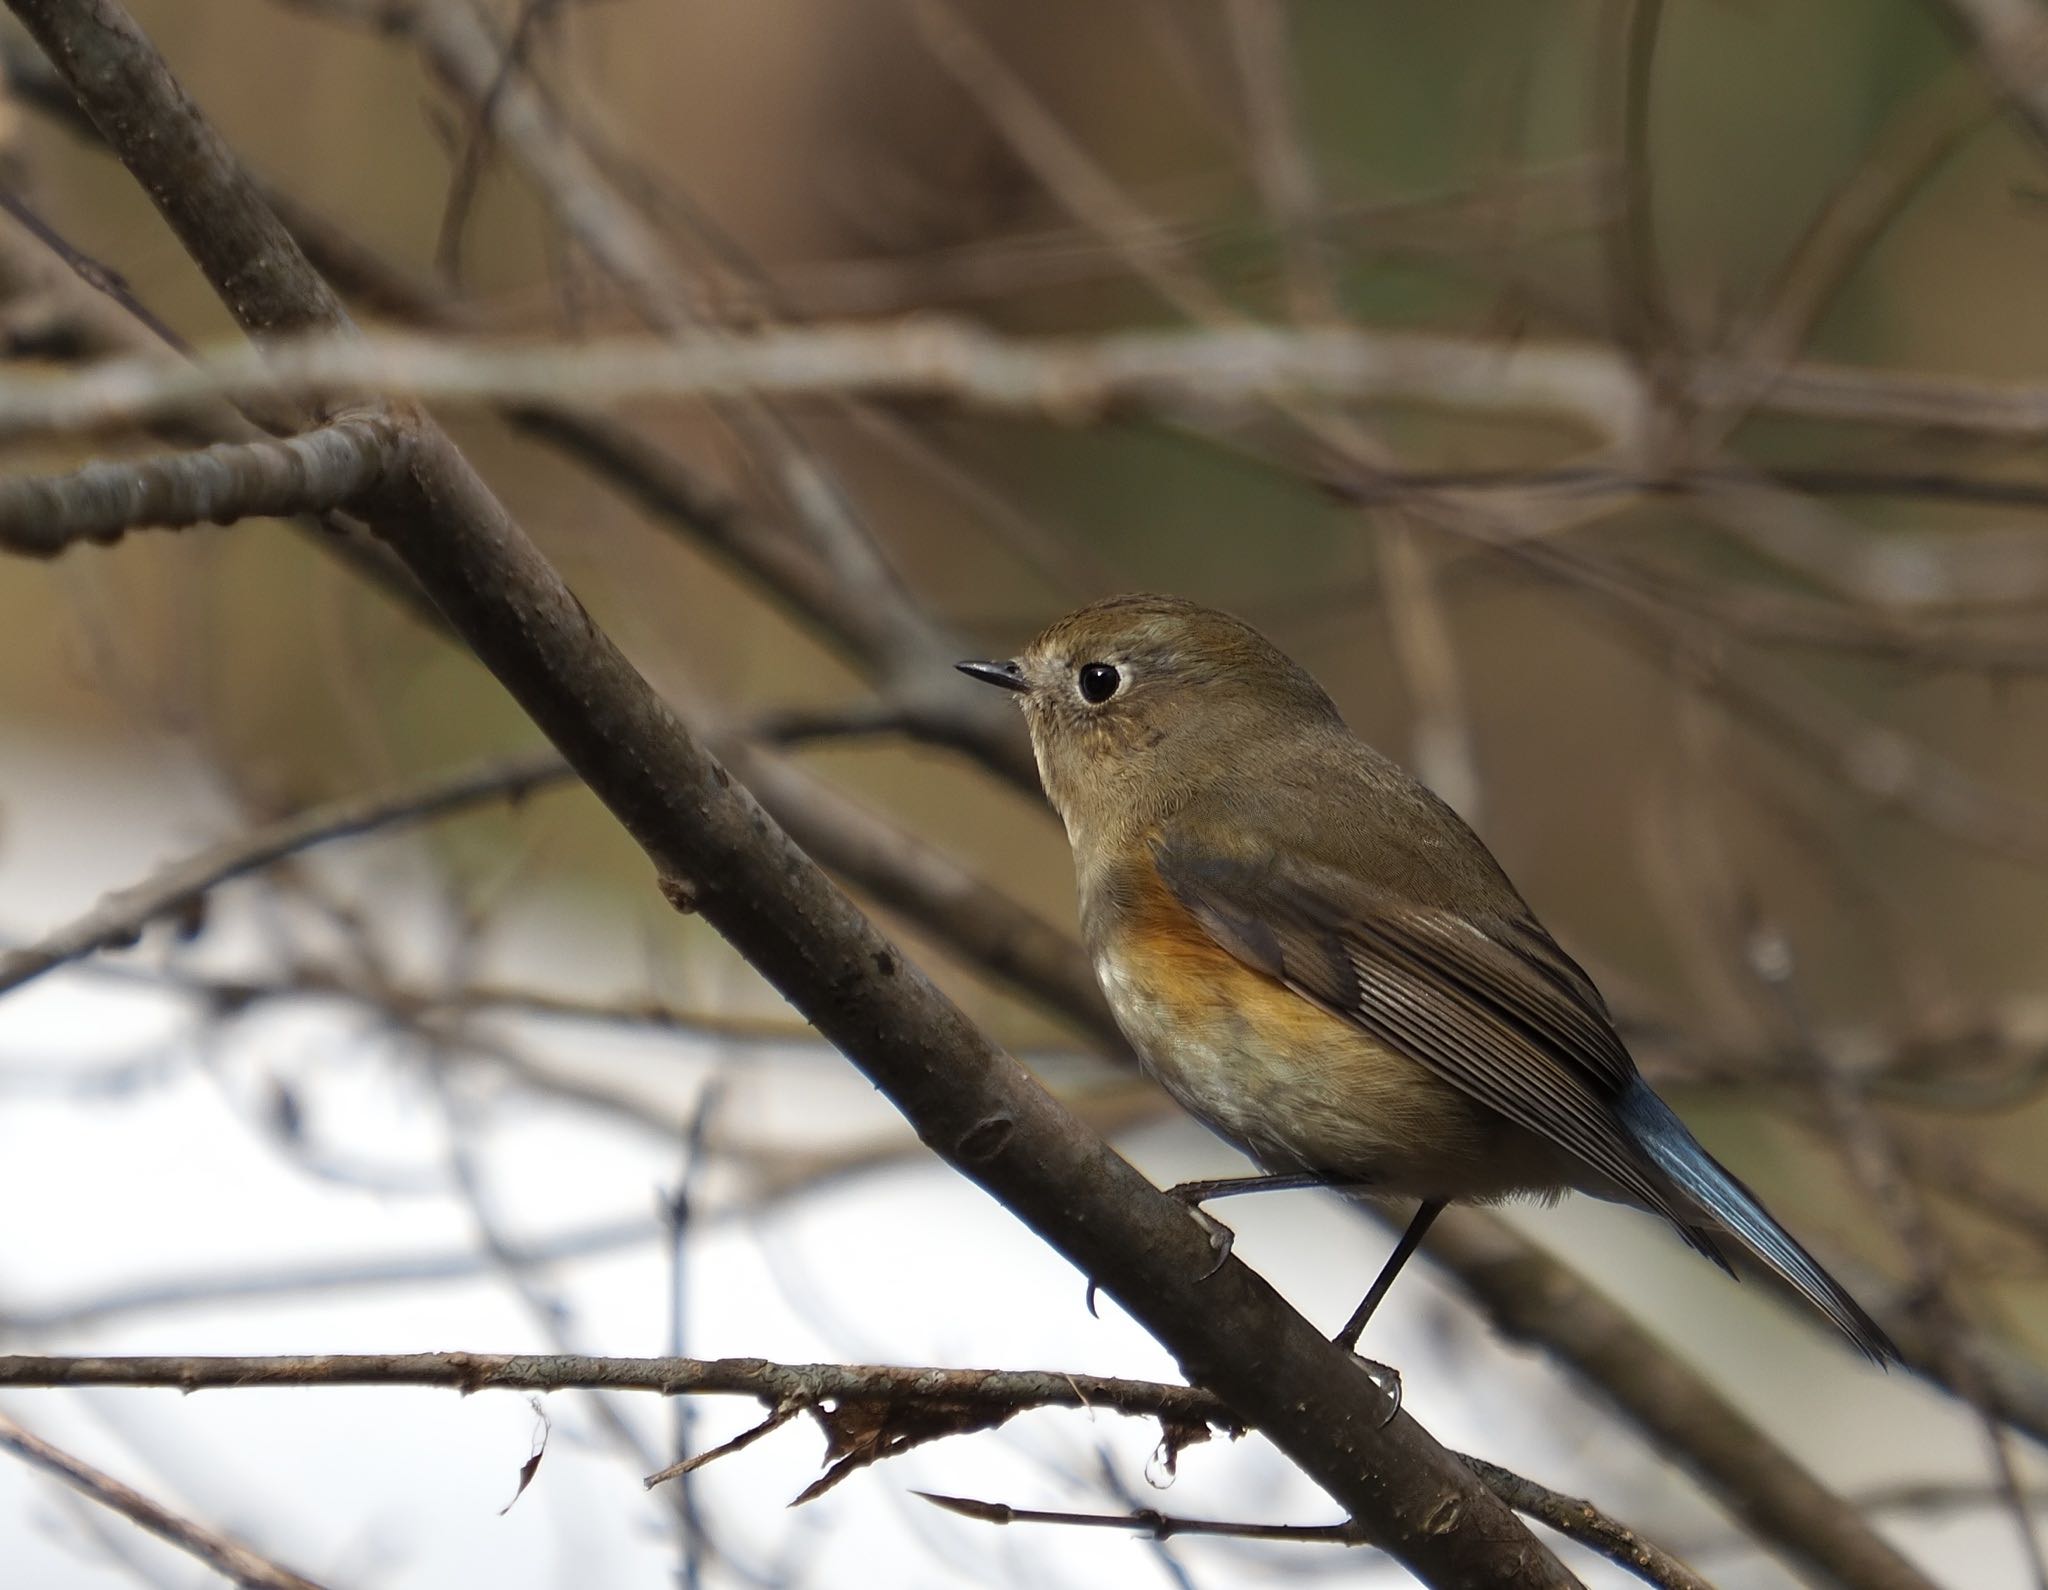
1386,1377
1221,1238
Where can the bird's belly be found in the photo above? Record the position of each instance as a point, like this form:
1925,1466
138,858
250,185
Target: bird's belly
1300,1089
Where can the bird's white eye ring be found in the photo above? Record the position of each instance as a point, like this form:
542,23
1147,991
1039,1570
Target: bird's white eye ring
1098,681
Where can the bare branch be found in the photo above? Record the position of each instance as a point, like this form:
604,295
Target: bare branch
891,641
1425,652
119,918
1581,1521
1216,370
1639,299
1280,158
96,324
90,272
2010,38
1908,149
1160,1526
1570,1517
787,1389
460,47
1061,164
227,1557
322,470
774,1383
683,1468
1069,379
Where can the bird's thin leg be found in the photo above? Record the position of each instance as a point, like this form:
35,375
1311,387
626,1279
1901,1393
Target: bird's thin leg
1404,1250
1194,1193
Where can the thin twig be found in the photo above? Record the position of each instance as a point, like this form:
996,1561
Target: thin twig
1574,1519
2010,38
94,273
1638,296
476,141
683,1468
230,1558
120,917
1280,158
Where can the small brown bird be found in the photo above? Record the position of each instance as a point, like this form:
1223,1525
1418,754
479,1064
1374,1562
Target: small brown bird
1320,960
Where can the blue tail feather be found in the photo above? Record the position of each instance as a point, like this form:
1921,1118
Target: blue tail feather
1735,1212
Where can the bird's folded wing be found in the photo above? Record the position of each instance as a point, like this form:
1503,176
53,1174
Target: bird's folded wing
1496,1009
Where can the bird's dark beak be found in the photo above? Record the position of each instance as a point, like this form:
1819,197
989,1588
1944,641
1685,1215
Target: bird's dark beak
1006,674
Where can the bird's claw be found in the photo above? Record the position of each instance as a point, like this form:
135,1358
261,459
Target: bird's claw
1387,1378
1189,1194
1221,1238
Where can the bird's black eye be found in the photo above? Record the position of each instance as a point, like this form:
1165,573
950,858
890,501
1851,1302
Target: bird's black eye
1099,682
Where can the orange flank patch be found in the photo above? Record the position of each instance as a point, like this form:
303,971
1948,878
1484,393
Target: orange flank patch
1188,971
1171,959
1295,1086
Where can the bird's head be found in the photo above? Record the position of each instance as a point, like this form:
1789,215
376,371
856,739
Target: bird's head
1136,702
